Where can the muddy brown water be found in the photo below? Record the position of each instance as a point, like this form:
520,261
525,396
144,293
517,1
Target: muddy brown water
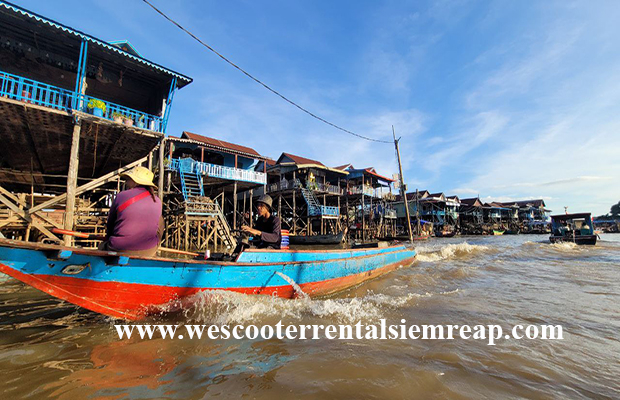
52,349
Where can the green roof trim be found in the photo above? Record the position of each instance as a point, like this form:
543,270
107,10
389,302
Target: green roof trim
121,43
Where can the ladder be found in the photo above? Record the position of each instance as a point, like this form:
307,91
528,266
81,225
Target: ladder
314,208
191,184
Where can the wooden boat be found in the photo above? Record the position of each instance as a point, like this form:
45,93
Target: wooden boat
512,232
498,233
317,239
132,288
576,228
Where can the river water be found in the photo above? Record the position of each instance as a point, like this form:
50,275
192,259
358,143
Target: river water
51,349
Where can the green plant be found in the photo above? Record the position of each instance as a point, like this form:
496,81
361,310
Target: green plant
116,114
94,103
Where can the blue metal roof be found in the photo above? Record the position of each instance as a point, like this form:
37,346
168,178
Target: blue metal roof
91,39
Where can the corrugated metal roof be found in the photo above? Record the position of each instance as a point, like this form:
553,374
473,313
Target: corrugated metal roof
343,167
472,202
222,145
411,195
531,203
64,28
300,160
372,171
437,196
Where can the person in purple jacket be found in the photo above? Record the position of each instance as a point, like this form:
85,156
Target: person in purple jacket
135,225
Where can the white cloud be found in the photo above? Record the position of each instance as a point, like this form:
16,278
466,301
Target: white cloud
479,129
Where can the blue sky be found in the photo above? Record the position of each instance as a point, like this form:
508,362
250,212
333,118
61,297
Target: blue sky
506,99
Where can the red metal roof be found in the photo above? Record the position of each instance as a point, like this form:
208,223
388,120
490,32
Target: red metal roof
300,160
372,171
220,144
343,167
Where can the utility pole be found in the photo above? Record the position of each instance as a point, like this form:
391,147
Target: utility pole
403,191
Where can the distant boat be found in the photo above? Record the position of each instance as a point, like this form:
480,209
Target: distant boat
576,228
445,233
498,233
316,239
512,232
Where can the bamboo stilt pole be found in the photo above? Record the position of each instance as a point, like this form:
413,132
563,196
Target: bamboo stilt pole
72,181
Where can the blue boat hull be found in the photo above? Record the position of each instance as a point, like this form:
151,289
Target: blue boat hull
131,288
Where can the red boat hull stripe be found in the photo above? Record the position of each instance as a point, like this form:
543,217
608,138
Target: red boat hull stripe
133,300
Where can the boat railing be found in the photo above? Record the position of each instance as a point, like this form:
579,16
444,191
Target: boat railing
19,88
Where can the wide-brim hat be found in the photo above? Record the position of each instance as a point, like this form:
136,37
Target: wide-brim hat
140,175
266,200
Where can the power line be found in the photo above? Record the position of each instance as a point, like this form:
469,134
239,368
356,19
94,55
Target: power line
259,81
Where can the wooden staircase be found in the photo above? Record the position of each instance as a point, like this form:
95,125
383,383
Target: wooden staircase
197,205
207,208
314,208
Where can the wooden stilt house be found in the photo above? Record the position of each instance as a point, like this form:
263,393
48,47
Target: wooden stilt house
306,194
75,112
204,179
369,203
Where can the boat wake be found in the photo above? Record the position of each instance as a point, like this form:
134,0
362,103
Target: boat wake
223,307
563,246
4,277
432,253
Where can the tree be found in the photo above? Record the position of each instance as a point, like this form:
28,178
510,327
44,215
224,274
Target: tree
615,210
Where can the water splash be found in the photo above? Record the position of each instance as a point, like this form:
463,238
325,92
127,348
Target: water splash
291,282
563,246
224,307
432,254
